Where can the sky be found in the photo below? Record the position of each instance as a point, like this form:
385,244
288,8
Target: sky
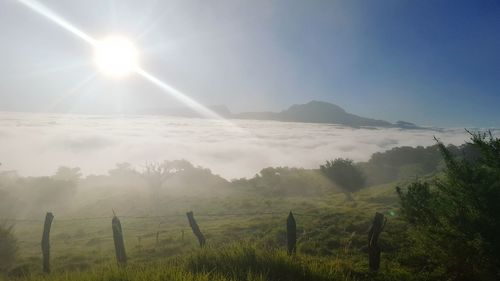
428,62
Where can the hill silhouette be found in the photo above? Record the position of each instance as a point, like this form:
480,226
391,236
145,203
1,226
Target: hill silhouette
322,112
311,112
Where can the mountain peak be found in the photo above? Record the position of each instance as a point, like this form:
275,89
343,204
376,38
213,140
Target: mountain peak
317,105
311,112
321,112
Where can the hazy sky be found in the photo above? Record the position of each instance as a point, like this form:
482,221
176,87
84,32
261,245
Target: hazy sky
430,62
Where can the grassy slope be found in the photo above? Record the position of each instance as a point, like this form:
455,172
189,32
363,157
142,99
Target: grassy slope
234,262
331,244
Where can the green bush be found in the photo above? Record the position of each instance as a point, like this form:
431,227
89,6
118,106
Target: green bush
455,219
343,172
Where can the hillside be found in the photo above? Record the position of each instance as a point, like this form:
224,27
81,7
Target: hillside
245,222
311,112
316,112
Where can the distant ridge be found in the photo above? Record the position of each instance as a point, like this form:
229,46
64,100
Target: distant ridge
322,112
311,112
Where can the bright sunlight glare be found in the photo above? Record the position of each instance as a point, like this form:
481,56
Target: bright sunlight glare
116,56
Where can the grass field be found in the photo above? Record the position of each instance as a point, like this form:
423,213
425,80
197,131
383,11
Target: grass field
246,240
233,262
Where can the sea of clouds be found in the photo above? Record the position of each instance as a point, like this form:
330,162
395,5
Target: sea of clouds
37,144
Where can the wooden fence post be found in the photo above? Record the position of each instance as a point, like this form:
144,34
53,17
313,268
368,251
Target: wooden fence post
139,240
373,247
46,242
291,234
196,229
121,255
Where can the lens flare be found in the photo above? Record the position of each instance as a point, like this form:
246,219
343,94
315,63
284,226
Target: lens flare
116,56
52,16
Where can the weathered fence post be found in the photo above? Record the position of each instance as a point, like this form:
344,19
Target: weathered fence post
373,247
158,234
291,234
121,255
139,239
196,229
46,242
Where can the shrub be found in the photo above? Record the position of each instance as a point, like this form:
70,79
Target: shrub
343,172
455,218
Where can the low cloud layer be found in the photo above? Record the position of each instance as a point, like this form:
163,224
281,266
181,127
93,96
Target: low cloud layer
36,144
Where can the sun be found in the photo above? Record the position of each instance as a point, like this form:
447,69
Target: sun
116,56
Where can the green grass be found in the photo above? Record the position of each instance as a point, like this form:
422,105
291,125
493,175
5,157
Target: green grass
332,234
233,262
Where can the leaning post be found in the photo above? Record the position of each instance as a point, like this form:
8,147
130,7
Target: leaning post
46,242
121,255
196,230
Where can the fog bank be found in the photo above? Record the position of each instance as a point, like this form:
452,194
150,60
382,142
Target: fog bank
36,144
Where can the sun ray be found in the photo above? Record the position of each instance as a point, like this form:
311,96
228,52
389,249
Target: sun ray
148,22
178,95
52,16
43,70
72,92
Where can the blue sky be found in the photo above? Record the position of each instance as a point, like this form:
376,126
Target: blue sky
430,62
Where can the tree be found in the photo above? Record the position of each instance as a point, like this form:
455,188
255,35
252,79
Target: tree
455,218
344,173
156,174
68,174
122,170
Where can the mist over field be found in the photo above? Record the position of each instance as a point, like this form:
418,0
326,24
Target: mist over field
249,140
37,144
